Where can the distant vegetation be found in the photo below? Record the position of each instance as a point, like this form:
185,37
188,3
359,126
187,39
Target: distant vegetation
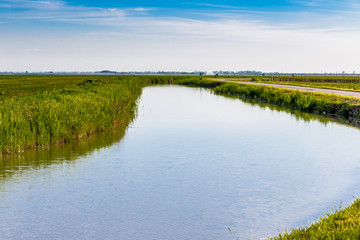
316,78
339,82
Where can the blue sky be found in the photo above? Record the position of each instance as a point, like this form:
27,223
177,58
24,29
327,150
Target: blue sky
286,36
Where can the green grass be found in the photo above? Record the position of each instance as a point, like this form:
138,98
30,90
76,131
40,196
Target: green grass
316,78
320,103
42,114
342,224
348,83
338,86
20,85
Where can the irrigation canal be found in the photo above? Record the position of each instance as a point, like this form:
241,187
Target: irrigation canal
190,166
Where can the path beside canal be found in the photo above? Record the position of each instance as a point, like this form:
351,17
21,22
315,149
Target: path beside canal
300,88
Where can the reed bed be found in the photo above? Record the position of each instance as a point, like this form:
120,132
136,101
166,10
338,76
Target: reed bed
40,118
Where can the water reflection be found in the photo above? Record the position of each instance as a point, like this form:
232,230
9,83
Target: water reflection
304,116
58,155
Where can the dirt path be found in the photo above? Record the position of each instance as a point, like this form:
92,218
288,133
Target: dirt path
308,89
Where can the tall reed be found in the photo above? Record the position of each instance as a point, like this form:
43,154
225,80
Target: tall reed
63,115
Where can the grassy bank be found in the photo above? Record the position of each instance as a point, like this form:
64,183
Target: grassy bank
40,118
339,224
320,103
36,111
337,82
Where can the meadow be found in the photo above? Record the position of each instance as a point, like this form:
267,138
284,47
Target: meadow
338,82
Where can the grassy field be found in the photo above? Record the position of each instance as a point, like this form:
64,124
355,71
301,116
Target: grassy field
20,85
350,83
329,85
339,78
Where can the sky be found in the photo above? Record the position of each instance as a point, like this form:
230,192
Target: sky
209,35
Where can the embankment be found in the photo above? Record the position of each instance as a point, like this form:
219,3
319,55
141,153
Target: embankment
320,103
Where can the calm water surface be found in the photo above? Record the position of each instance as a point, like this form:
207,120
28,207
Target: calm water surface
190,166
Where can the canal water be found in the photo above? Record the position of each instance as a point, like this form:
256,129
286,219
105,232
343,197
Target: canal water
191,166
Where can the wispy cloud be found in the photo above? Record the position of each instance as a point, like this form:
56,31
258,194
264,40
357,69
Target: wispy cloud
312,3
217,6
335,5
233,35
61,11
44,5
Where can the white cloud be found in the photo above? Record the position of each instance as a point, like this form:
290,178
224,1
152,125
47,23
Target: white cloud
43,5
335,5
140,9
217,5
57,10
126,39
47,5
176,44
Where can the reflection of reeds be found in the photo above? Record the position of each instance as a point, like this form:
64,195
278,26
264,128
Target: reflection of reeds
30,159
346,107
